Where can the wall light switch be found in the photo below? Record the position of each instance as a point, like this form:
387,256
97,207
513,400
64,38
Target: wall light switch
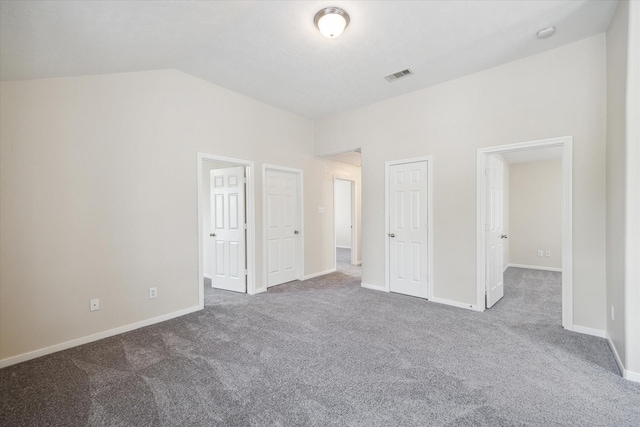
94,304
153,293
540,252
547,254
320,210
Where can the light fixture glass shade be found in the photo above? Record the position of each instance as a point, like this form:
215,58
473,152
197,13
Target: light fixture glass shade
546,32
331,21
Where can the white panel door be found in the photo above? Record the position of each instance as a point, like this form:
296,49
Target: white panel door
408,229
494,230
283,241
228,229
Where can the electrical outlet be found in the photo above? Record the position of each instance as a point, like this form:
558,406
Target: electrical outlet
613,312
94,304
153,293
540,252
547,254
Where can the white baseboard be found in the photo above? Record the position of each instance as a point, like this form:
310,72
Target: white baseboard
95,337
454,303
536,267
358,263
343,247
589,331
632,376
374,287
629,375
321,273
258,291
615,354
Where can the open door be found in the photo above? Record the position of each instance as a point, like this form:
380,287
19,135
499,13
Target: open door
494,254
228,228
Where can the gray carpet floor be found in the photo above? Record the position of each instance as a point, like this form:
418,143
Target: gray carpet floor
343,256
326,352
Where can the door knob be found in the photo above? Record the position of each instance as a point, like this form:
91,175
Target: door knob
392,234
504,236
296,232
212,234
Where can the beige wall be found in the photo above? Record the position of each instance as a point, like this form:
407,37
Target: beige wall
623,185
535,212
98,196
556,93
616,171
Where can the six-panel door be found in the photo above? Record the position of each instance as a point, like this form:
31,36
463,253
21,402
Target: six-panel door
408,229
494,229
228,229
282,226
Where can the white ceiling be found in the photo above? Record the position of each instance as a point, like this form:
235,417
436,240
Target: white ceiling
271,50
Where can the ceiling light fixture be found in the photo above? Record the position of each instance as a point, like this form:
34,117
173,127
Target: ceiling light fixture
331,21
546,32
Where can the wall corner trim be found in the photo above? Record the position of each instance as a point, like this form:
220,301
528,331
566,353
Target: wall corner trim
373,287
632,376
588,331
13,360
318,274
535,267
629,375
452,303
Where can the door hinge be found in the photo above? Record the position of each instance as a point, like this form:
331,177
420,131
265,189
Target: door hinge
245,226
244,180
246,272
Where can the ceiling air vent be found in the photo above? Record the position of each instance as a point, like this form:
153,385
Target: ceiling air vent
400,74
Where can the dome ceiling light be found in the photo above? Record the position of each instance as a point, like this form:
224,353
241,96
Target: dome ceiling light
546,32
331,21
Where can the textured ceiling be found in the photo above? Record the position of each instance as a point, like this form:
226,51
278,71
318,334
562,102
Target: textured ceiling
271,50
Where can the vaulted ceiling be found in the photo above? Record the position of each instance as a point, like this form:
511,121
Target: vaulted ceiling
271,51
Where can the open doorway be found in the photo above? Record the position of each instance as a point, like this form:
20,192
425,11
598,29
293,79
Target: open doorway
346,213
533,219
345,223
524,221
226,249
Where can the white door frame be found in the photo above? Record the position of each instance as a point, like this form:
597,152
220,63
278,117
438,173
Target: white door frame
300,255
387,272
250,218
354,223
566,142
